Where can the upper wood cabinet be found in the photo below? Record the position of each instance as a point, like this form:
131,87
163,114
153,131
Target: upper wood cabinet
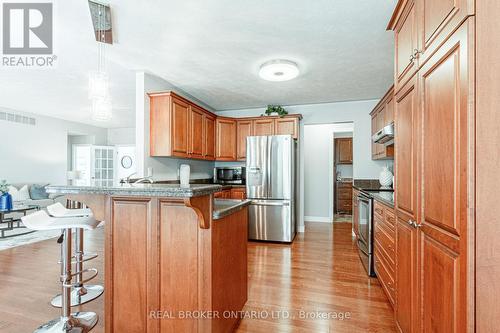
180,128
244,128
382,115
196,132
343,151
287,125
226,139
420,27
263,126
209,134
437,20
269,125
404,24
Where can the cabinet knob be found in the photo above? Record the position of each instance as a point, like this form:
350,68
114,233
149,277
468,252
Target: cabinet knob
412,223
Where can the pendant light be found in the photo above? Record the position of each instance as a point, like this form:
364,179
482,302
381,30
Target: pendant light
98,80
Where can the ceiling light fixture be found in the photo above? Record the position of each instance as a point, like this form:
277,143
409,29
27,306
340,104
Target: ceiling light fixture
279,70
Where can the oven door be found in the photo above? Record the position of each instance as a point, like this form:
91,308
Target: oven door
365,223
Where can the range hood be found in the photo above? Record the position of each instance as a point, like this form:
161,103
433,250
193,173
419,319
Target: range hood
385,135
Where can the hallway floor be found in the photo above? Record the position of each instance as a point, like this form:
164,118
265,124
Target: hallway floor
291,287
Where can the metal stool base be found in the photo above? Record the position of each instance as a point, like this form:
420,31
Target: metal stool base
79,322
91,292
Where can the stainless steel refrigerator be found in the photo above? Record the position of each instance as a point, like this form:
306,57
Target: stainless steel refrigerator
270,178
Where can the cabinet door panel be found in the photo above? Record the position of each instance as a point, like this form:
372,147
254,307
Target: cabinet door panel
244,129
263,127
438,19
226,139
209,142
196,135
406,150
287,126
405,34
406,277
180,127
446,115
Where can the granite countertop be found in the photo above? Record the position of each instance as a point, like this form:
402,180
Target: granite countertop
225,207
385,197
140,190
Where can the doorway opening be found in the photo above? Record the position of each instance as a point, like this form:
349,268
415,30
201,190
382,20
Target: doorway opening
319,153
342,170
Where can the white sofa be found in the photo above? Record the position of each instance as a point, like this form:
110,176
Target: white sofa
53,198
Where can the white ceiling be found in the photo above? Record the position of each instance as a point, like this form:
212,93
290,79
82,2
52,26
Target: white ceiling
212,49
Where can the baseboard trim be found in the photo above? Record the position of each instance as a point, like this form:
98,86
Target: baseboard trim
319,219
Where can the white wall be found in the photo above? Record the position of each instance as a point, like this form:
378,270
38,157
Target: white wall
163,168
39,153
357,112
121,136
319,154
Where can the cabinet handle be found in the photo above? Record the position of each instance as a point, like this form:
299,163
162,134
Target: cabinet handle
412,58
412,223
416,52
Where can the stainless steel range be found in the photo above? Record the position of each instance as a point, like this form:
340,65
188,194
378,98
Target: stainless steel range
365,228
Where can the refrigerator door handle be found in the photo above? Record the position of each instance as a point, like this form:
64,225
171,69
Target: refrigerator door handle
269,171
269,203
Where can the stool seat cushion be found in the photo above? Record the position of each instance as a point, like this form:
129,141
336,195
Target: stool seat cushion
40,220
58,210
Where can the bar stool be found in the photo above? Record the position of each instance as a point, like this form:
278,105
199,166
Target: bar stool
81,294
78,322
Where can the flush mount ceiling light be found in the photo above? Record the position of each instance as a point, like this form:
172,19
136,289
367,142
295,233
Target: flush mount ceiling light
279,70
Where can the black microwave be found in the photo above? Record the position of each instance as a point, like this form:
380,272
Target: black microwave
230,175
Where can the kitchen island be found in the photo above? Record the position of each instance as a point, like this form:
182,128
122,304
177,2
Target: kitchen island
175,259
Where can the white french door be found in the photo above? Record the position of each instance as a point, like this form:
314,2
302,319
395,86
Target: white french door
95,165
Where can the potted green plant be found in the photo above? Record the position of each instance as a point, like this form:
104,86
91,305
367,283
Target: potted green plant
5,198
276,109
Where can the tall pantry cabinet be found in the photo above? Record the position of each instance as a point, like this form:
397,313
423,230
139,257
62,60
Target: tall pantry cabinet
434,119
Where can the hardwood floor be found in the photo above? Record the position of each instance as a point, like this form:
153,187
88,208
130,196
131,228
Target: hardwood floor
319,274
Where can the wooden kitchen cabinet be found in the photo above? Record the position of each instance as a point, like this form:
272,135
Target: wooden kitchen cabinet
437,19
343,198
226,139
263,126
432,189
244,128
406,180
343,151
239,193
382,115
179,128
446,115
209,137
404,24
287,125
196,132
236,193
385,248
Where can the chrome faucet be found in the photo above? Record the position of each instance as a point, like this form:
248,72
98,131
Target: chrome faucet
144,180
